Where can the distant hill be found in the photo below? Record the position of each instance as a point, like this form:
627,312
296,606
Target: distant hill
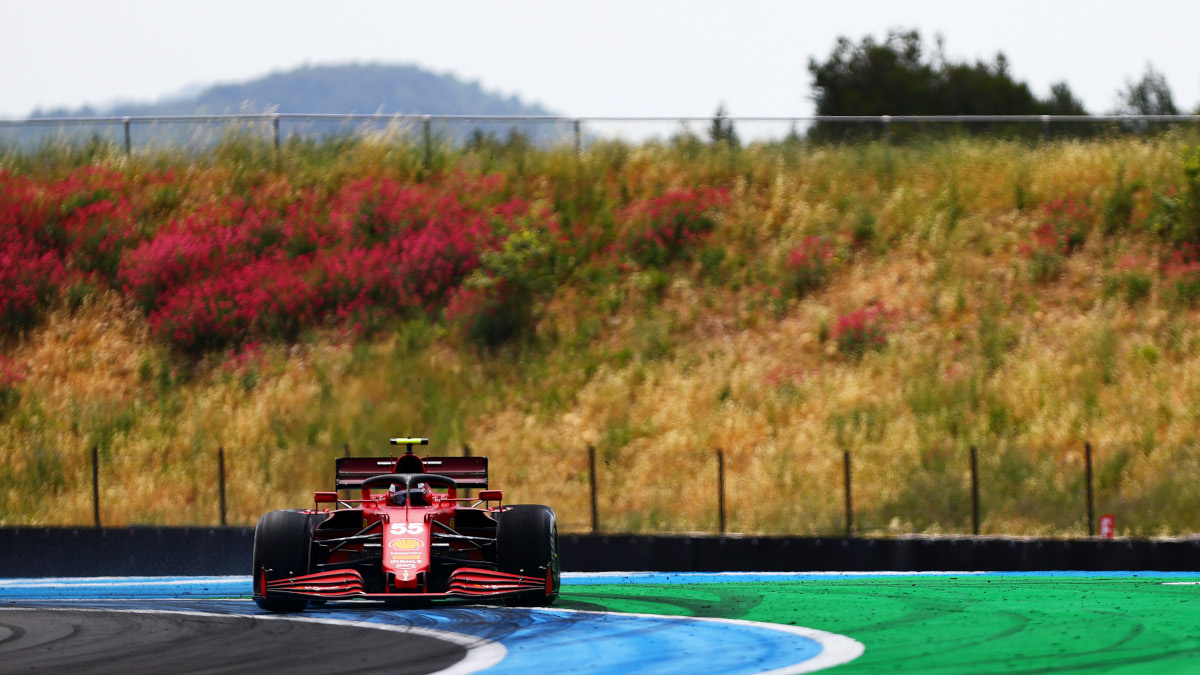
351,88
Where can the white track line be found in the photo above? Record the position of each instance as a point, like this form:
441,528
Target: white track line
588,575
121,584
224,578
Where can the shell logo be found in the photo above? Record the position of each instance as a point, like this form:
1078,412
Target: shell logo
405,544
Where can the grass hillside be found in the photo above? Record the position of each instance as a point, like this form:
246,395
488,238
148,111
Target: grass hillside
784,303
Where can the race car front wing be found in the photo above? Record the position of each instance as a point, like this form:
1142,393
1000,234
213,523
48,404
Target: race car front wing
464,582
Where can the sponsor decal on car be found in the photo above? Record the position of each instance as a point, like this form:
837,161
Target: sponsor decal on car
406,544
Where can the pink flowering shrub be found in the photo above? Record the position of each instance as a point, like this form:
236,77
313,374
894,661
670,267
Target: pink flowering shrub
1182,272
98,234
1064,227
30,277
214,268
178,255
657,231
807,266
374,210
862,330
65,230
382,249
222,236
1065,224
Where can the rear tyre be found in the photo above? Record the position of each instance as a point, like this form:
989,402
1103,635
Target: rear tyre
527,544
282,549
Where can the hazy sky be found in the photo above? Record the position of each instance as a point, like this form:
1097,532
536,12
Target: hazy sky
579,58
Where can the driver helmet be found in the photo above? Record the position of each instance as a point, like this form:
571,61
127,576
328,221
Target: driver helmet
422,494
419,495
395,496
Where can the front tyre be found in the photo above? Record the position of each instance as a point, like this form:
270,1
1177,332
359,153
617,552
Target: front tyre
527,544
282,549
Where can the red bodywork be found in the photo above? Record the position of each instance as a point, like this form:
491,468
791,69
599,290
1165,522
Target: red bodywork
438,546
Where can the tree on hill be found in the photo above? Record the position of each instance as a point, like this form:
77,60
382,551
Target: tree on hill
1150,95
721,130
896,77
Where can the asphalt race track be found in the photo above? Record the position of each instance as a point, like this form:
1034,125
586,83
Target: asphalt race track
83,640
198,625
1135,622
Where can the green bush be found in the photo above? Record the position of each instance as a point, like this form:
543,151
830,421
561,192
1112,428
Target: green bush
1176,215
498,302
1132,281
1191,203
865,329
1118,208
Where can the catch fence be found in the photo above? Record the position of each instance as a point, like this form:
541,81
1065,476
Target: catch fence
433,131
603,498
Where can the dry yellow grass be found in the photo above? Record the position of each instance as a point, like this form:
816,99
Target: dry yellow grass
659,384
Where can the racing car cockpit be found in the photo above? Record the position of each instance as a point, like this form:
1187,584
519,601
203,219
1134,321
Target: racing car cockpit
419,495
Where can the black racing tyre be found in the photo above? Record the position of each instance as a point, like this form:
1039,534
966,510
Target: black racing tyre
527,544
282,549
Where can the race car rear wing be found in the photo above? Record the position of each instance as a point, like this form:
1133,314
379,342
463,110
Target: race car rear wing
467,472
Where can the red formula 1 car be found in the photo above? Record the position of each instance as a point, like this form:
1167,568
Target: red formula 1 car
409,536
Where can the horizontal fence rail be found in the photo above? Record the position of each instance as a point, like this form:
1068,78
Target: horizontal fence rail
408,117
579,130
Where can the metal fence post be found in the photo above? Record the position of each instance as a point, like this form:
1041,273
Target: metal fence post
428,143
578,138
721,490
592,481
887,128
128,138
849,500
974,492
278,154
221,481
96,486
1091,517
1045,129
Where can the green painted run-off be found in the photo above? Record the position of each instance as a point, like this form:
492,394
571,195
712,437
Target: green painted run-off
948,624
